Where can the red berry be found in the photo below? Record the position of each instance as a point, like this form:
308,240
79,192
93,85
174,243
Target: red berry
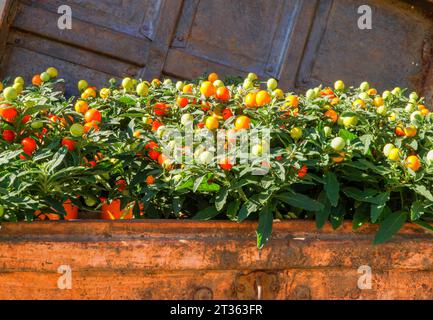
151,145
9,114
160,109
227,113
225,164
155,125
25,119
182,102
303,172
121,185
70,144
9,135
29,145
154,155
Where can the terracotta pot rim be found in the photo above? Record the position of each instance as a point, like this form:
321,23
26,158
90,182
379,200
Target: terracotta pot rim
173,226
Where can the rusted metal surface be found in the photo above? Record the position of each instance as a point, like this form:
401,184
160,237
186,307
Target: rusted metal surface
210,260
300,42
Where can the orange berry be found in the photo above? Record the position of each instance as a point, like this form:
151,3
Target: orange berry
327,92
150,180
212,123
250,100
207,89
335,101
137,134
372,92
91,125
81,106
332,114
187,88
413,162
93,115
242,122
263,98
399,132
425,111
378,101
36,80
410,132
223,94
292,101
70,144
212,77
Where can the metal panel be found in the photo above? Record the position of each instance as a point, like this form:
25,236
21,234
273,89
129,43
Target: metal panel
108,38
241,35
136,18
390,54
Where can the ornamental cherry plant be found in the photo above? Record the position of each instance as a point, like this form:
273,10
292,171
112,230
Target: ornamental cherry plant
238,149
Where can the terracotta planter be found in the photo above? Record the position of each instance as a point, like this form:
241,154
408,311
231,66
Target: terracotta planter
209,260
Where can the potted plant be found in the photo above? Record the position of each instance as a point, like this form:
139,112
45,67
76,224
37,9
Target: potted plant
212,150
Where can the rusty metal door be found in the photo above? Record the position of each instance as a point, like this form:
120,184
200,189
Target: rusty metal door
300,42
108,38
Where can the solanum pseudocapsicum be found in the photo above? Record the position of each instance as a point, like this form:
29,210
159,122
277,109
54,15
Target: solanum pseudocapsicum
336,153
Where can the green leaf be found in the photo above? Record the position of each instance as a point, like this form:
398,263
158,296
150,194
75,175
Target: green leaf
281,173
366,140
177,205
332,188
221,199
233,208
136,210
250,206
244,182
300,201
365,164
359,195
264,228
361,216
206,214
8,155
200,184
56,205
379,204
128,100
414,145
347,135
267,182
390,226
417,210
197,183
57,159
323,215
208,187
424,225
337,216
422,190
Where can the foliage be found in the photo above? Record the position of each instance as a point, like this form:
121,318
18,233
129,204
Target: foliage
335,154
